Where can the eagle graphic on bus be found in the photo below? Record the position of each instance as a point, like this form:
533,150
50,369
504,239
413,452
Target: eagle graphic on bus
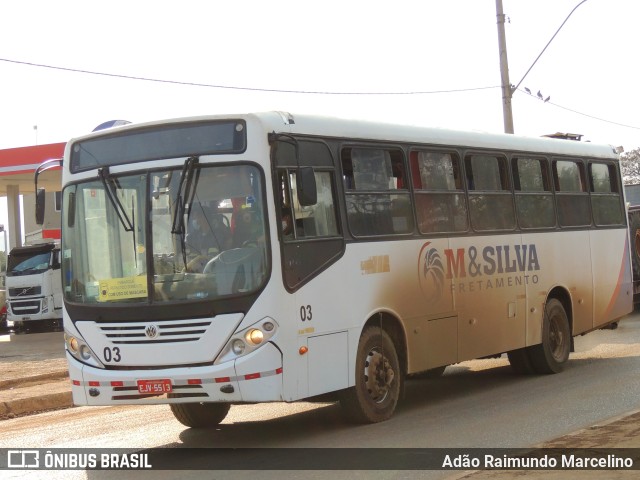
491,260
431,273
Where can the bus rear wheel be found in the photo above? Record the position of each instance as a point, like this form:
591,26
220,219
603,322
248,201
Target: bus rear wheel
551,355
375,394
200,415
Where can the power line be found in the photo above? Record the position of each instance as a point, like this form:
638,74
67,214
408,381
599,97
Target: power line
301,92
583,114
595,118
232,87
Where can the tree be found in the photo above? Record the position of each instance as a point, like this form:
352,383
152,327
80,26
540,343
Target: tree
630,166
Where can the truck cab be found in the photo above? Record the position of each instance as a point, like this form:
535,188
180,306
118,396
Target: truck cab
34,285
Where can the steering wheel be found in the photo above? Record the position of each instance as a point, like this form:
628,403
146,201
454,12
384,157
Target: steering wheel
230,257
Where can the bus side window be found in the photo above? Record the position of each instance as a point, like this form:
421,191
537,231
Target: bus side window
377,197
317,220
299,222
571,193
534,199
490,200
605,194
439,196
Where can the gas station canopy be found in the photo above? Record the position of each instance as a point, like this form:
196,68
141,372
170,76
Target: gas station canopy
18,166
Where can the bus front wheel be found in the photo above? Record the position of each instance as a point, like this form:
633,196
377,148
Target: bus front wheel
200,415
375,394
551,355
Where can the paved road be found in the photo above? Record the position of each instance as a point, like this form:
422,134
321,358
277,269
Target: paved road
480,403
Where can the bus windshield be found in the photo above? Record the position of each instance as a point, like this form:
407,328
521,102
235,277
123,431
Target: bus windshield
157,237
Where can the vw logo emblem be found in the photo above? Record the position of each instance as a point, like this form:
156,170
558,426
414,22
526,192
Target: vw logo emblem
151,331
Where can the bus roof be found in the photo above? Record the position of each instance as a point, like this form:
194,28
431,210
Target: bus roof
336,127
306,124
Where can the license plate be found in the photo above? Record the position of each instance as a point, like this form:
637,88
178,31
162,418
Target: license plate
25,319
155,386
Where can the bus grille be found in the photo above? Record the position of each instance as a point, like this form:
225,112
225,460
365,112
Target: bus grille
24,291
158,332
28,307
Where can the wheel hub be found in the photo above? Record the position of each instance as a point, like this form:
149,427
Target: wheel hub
557,340
379,375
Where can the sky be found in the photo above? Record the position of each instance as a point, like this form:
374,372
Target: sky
422,62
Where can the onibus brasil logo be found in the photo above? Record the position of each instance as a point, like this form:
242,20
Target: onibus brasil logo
467,270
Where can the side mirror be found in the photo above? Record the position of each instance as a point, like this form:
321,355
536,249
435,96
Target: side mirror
40,192
71,211
56,260
40,205
306,186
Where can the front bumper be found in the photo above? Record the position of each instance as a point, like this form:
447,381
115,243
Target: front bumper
256,377
32,309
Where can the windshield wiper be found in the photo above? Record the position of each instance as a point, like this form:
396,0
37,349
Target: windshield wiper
186,181
110,187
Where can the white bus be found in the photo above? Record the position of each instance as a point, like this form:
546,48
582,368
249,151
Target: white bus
267,257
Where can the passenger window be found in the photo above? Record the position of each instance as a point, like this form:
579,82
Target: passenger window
569,177
572,199
439,196
606,201
378,201
490,201
534,199
602,178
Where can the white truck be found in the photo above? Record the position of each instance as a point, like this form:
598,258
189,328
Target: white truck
34,285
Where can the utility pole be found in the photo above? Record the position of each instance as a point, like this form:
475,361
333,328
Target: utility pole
507,112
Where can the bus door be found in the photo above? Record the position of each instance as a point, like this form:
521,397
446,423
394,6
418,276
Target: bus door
310,242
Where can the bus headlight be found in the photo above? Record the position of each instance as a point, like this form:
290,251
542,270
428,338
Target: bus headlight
85,352
72,344
247,340
238,346
254,336
79,350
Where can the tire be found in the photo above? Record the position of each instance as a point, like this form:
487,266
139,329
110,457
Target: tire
200,415
520,361
551,355
378,385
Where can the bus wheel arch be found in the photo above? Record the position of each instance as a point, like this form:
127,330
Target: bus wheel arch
380,367
557,340
563,296
392,325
